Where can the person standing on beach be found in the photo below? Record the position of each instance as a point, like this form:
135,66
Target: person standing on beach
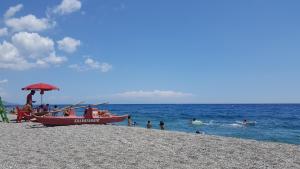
149,125
129,121
162,125
29,98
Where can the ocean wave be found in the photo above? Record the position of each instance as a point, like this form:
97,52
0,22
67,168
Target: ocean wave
210,123
235,125
247,123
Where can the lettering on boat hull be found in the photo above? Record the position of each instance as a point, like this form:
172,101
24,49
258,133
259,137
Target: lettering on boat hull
86,120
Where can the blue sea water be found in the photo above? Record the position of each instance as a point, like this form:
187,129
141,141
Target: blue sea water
273,122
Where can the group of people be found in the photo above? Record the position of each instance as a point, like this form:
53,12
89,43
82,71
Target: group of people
149,124
42,108
161,124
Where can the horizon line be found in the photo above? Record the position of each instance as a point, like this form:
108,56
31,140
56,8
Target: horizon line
161,103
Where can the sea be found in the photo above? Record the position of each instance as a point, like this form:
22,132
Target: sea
269,122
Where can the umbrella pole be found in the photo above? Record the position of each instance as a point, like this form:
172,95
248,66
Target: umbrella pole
41,99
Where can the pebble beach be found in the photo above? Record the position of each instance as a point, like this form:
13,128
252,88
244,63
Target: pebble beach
31,145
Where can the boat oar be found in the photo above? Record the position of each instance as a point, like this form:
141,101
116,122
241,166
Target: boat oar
91,105
59,110
67,107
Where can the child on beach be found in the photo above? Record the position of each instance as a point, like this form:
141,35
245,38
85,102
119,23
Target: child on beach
149,125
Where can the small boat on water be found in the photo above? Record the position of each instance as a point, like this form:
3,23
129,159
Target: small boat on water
91,116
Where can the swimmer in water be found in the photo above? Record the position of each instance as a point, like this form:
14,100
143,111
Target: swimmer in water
248,123
162,125
200,132
196,122
129,121
149,125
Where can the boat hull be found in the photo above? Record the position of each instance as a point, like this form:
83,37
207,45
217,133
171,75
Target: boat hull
64,121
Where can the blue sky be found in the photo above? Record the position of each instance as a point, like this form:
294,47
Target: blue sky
138,51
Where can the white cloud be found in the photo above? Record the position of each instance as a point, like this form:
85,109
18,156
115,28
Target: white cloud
28,50
77,67
13,10
153,94
41,63
3,81
103,67
52,58
10,58
67,6
68,44
3,32
28,23
90,64
8,52
32,44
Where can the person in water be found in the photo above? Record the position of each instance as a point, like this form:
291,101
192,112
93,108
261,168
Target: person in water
200,132
149,125
129,121
29,98
162,125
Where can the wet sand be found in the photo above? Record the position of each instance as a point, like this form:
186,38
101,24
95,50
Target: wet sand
30,145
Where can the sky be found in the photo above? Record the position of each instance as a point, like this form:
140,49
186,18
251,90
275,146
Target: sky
139,51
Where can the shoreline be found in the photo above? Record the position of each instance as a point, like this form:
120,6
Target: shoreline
13,116
30,145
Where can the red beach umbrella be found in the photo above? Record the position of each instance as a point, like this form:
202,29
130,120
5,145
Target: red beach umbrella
40,87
